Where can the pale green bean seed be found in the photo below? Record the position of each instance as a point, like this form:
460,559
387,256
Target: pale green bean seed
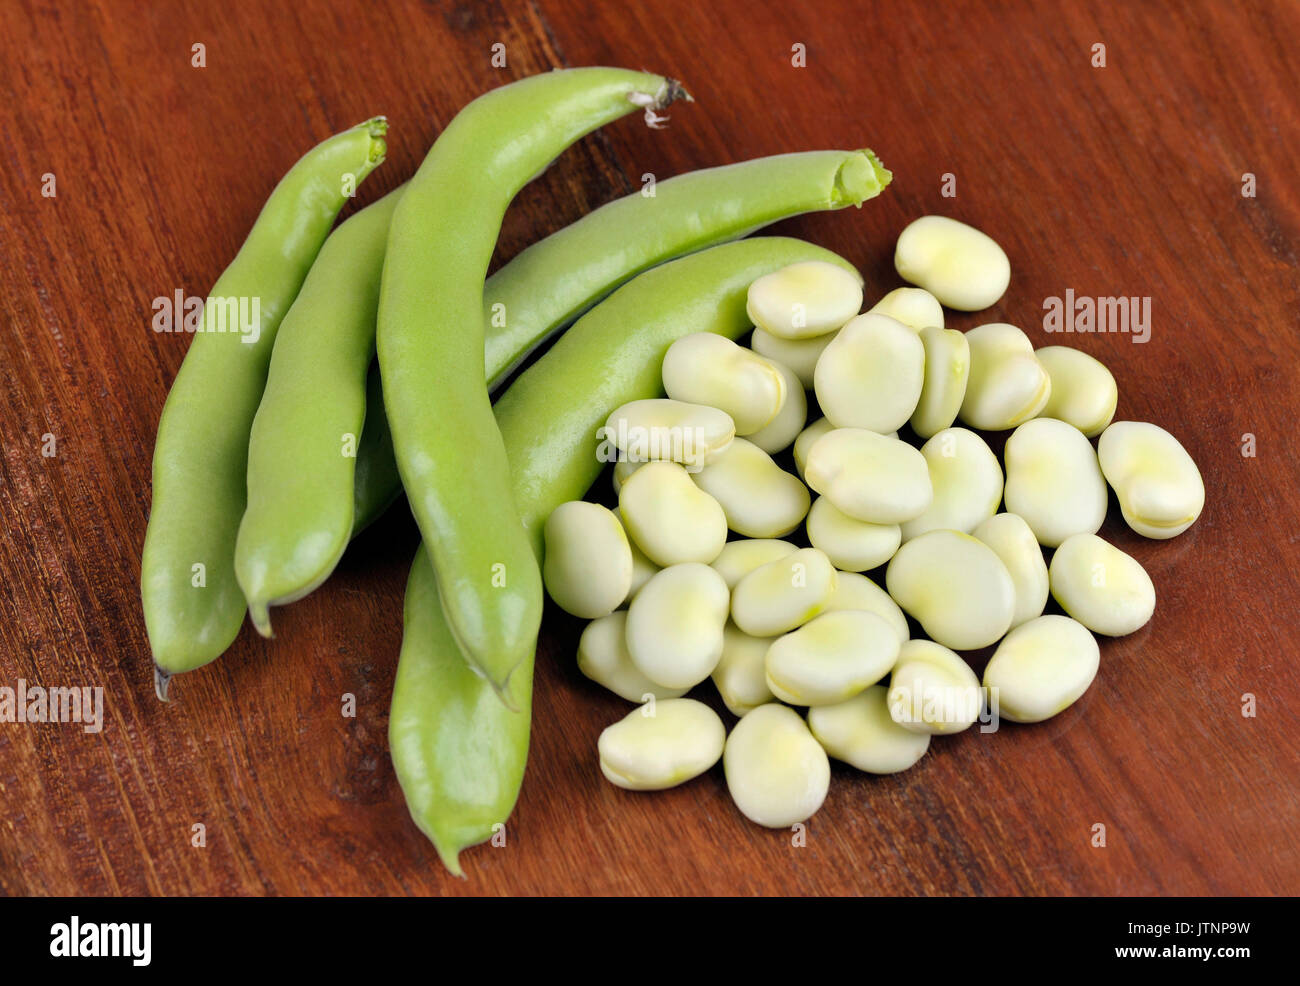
1054,481
604,658
741,675
1041,668
862,733
588,561
804,300
739,558
932,690
1007,385
967,483
807,438
642,569
670,518
854,591
622,469
1083,390
783,594
851,545
915,307
777,773
831,658
1014,543
662,429
706,368
674,625
661,746
1159,488
1103,588
947,367
955,587
778,434
868,476
870,376
800,355
760,499
961,266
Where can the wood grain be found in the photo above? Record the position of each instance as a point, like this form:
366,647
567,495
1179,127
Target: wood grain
1122,180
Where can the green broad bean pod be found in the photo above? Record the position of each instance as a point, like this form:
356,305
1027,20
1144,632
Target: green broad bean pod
459,753
430,341
193,606
312,412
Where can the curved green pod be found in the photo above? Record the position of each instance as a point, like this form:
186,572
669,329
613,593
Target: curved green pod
311,412
459,753
430,342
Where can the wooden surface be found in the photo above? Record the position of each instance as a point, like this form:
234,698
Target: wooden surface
1123,180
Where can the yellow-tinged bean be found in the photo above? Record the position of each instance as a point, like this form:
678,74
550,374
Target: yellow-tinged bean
804,300
961,266
604,658
670,518
932,690
741,674
1014,543
852,545
868,476
861,732
783,594
642,569
739,558
854,591
622,469
955,587
807,438
1007,385
1103,588
831,658
759,498
706,368
915,307
674,625
776,772
800,355
947,368
661,745
1054,481
1041,668
662,429
870,376
781,431
588,561
1160,490
967,483
1083,390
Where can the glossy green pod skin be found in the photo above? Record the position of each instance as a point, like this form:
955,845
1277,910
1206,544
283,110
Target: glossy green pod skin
300,516
309,423
200,457
459,753
430,341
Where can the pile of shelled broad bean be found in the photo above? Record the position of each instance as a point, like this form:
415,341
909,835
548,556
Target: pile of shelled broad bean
775,625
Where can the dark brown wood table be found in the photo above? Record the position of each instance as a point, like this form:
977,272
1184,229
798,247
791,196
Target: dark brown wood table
1117,180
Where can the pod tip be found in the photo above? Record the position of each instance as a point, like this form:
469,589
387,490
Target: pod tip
260,613
161,681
